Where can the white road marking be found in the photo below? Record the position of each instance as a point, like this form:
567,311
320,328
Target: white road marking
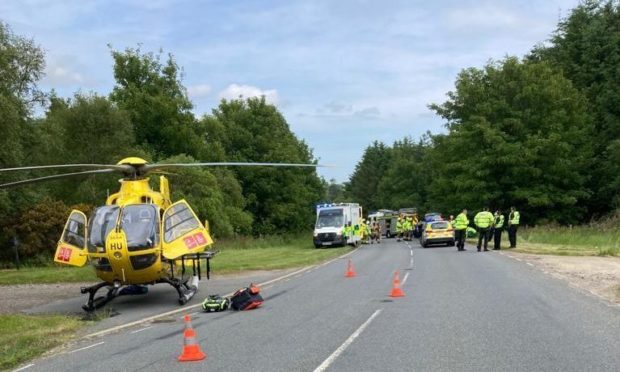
186,308
411,253
24,367
346,344
142,329
405,279
86,347
518,259
529,263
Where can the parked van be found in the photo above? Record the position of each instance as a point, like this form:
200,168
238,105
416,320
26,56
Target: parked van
331,220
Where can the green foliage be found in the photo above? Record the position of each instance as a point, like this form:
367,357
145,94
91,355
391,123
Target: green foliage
586,48
88,130
279,199
21,66
160,111
213,194
404,184
38,228
518,135
334,192
363,186
25,337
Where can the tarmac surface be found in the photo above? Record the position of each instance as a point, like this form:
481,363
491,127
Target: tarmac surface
463,311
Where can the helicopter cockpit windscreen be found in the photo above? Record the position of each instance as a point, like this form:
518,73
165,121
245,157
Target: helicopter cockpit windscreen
101,223
140,223
330,218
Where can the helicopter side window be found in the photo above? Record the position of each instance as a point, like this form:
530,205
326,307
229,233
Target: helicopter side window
141,226
179,221
75,232
100,225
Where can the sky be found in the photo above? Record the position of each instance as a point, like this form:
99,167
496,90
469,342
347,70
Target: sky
344,73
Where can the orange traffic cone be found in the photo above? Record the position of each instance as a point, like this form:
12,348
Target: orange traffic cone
191,349
350,271
396,290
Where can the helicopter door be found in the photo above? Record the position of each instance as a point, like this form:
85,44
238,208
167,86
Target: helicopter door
183,233
71,249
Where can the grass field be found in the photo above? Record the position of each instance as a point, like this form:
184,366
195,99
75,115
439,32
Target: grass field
594,240
570,241
24,337
278,252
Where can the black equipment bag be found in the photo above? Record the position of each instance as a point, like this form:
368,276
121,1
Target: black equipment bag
246,298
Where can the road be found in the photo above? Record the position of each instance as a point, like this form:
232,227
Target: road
463,311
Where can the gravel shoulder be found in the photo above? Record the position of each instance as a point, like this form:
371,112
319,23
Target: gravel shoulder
599,275
16,298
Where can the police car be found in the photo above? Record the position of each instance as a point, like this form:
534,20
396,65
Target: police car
437,232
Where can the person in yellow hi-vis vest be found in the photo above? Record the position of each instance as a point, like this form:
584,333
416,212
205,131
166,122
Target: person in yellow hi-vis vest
399,229
346,232
483,221
460,230
514,218
498,226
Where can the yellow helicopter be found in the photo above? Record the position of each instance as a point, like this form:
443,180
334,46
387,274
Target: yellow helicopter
139,237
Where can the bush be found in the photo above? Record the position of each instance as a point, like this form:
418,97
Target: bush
38,229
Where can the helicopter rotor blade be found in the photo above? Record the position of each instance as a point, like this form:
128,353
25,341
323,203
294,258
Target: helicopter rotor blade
115,167
56,176
151,167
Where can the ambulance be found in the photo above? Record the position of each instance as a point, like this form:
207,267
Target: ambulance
331,223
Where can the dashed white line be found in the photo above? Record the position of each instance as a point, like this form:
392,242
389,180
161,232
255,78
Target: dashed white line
24,367
405,279
142,329
86,347
346,344
529,263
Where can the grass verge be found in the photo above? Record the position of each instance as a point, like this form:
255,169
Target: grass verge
25,337
565,241
48,274
570,241
269,253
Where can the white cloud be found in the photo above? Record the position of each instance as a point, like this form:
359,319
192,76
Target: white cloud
63,76
234,91
199,90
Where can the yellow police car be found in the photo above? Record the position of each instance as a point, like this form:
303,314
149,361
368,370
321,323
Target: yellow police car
437,232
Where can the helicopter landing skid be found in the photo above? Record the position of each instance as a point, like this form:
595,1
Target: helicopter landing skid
186,291
95,303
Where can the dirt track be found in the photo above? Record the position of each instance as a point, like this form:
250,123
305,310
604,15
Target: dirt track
600,275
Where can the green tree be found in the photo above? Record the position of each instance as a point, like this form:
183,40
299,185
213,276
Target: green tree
518,135
363,186
214,194
404,184
334,191
279,199
21,67
586,47
152,92
87,129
